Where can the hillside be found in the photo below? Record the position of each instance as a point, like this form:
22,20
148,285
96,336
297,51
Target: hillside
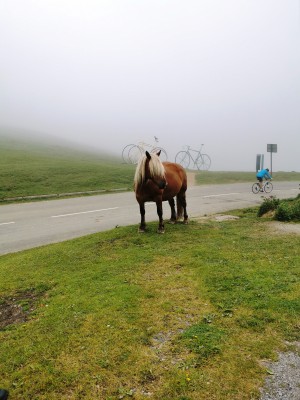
32,167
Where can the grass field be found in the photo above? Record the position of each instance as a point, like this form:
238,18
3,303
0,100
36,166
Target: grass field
32,169
188,315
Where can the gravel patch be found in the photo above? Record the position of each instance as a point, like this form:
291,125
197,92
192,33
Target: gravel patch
285,228
283,383
221,218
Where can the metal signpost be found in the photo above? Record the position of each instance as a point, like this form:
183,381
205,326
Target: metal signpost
271,148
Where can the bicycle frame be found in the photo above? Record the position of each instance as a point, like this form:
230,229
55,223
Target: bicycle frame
198,153
200,160
132,152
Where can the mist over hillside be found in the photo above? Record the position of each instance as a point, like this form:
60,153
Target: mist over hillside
49,145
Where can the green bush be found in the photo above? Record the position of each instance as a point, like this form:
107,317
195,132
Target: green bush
288,210
284,212
297,211
269,204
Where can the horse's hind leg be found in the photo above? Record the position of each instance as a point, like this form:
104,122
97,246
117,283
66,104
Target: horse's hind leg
181,207
173,211
185,215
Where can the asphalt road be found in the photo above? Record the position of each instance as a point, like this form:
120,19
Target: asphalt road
24,226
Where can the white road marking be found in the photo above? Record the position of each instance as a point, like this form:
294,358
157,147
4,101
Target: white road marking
7,223
219,195
83,212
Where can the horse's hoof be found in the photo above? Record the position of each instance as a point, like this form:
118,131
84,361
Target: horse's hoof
172,221
186,222
141,230
160,231
3,394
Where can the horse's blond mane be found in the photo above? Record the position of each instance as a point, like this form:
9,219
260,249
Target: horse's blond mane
156,169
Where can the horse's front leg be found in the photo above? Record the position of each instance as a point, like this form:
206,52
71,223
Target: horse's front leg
142,226
161,226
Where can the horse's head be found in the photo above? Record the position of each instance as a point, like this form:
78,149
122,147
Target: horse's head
150,168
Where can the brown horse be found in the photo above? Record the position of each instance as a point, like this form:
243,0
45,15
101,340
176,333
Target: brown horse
160,181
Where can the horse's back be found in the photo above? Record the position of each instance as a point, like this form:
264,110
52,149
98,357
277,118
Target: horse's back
176,179
174,169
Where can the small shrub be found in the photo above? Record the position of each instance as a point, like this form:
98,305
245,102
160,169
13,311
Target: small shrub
284,212
296,211
269,204
288,211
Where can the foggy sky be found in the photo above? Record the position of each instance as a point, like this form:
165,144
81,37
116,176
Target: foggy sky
111,72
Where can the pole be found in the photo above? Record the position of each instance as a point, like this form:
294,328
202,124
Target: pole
271,164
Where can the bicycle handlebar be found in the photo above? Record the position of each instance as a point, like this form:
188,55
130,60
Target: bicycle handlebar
188,147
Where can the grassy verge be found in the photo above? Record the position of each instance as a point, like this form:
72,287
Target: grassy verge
216,177
188,315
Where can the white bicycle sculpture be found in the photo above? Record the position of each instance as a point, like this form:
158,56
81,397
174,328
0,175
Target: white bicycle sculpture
132,152
200,161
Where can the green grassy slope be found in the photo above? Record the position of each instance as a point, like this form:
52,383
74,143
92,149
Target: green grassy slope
28,168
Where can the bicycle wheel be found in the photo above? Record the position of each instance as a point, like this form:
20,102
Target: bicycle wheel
183,158
255,188
203,162
134,154
206,162
163,154
125,153
268,187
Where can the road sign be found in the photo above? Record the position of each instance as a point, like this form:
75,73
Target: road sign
272,148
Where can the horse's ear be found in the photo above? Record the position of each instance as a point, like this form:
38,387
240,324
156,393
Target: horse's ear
158,153
148,155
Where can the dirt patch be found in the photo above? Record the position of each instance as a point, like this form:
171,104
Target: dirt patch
274,226
218,218
17,307
284,228
221,218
